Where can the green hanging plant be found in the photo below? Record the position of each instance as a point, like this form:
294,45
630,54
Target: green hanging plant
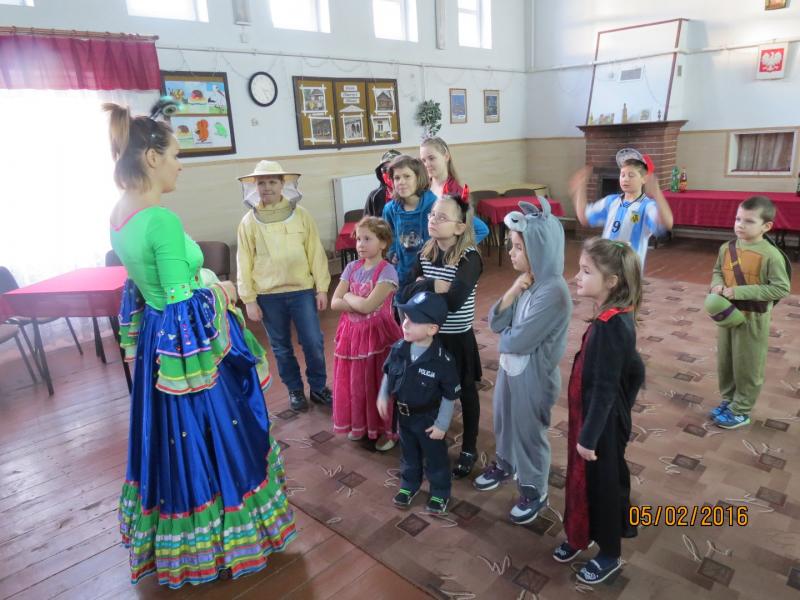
429,116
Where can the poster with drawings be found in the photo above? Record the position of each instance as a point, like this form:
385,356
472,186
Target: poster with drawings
203,124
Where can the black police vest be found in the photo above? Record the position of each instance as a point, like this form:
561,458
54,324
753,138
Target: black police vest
416,384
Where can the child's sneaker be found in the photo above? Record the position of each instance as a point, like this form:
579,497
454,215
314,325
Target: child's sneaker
464,464
526,510
730,420
437,505
598,570
384,444
491,477
404,497
719,409
566,553
354,437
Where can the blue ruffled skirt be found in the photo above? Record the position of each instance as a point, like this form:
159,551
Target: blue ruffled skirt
204,487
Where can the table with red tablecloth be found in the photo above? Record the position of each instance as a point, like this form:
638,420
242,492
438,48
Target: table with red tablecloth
495,210
717,208
90,292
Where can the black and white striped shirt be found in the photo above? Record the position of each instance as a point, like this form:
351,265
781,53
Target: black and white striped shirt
463,280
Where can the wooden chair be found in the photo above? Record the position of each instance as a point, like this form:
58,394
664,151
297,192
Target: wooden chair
353,216
8,332
475,197
217,257
519,192
8,283
478,195
112,260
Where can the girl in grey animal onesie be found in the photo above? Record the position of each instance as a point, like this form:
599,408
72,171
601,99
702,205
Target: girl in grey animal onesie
532,319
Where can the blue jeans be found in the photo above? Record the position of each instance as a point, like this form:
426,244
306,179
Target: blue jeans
279,311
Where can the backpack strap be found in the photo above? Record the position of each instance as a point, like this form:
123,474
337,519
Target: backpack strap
757,306
737,269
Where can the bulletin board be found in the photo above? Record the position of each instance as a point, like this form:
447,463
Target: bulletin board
341,113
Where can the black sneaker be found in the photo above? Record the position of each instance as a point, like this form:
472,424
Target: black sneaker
323,397
297,400
437,505
403,498
464,464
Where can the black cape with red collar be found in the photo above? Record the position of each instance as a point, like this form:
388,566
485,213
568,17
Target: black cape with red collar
606,376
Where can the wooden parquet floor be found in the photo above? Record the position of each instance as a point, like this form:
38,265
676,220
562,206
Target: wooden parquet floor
62,460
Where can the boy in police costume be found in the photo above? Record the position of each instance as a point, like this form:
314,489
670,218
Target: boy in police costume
422,379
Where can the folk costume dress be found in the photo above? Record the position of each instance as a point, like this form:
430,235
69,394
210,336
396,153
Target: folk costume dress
605,380
362,344
204,488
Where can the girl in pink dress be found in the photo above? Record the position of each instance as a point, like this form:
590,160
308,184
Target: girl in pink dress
365,335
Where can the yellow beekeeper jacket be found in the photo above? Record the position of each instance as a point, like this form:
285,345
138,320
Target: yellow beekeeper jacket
285,256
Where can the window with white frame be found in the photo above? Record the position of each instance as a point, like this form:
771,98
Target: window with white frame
395,19
475,23
186,10
304,15
17,2
762,152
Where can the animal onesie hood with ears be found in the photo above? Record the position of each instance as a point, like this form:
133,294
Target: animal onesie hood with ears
533,338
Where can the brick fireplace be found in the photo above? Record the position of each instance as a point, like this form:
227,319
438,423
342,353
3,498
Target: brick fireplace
659,139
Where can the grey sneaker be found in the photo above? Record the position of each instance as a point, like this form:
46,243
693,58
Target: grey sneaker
526,510
491,477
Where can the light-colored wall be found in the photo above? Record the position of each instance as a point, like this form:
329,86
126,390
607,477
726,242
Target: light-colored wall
209,197
536,139
721,90
704,155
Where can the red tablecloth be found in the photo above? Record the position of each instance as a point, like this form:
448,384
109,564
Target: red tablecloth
92,292
712,208
495,209
345,239
5,310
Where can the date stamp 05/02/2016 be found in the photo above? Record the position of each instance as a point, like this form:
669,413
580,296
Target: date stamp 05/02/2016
688,516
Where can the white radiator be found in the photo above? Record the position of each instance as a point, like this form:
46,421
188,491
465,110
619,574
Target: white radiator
350,193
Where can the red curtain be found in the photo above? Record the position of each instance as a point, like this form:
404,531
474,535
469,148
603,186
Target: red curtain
72,63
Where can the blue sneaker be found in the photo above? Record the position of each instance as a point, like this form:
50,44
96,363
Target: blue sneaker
730,420
526,510
598,570
719,409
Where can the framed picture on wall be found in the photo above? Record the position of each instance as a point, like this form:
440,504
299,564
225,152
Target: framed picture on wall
203,124
773,4
337,112
458,105
491,106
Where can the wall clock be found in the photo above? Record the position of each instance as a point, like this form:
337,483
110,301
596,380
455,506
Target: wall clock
263,89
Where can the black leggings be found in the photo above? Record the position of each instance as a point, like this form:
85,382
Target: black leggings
464,349
471,415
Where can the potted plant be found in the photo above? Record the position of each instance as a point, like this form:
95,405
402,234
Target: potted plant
429,116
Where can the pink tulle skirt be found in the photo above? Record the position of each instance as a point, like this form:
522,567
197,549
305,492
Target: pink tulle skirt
362,345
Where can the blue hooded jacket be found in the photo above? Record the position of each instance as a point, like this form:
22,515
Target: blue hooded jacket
410,231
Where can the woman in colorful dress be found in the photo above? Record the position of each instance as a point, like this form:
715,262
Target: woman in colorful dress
204,492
